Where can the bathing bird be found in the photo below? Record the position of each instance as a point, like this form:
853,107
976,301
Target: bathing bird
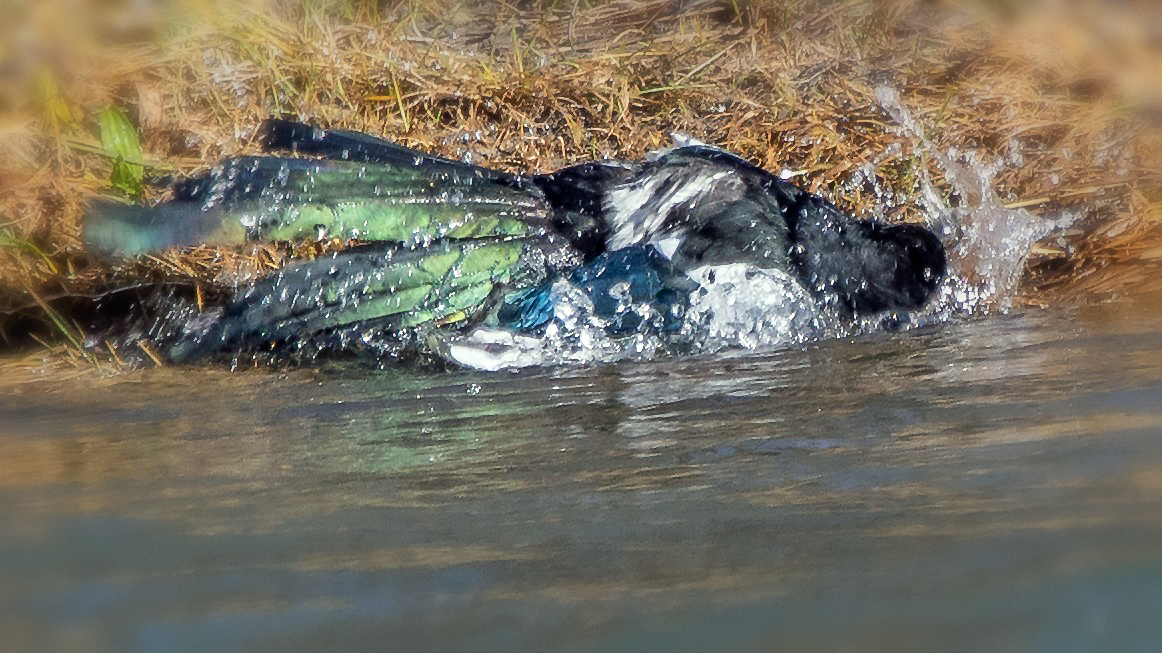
444,244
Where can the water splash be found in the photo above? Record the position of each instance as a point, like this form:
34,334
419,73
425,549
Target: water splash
733,306
575,334
743,306
987,242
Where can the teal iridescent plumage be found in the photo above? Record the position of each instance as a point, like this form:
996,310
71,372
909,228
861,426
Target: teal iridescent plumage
638,275
447,244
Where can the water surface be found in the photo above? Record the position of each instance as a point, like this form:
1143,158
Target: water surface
994,484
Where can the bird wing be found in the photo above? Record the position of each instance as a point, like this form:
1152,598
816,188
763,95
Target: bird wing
377,287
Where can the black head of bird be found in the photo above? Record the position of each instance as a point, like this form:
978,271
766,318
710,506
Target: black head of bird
865,266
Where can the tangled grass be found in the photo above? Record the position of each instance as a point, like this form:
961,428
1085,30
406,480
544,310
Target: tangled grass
1063,93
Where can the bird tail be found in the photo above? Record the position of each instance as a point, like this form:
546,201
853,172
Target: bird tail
122,230
363,189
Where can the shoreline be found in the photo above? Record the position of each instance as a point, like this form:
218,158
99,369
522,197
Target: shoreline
788,86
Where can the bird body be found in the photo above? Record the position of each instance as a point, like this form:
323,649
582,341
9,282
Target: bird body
448,245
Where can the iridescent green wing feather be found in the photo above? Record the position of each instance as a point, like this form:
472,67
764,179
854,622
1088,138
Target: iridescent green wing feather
383,287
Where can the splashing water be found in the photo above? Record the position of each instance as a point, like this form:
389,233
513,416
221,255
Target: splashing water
987,243
742,306
734,306
575,334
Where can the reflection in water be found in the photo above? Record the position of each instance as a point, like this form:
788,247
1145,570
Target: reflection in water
986,485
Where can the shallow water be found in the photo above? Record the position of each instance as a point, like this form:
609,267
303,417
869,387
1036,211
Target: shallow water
994,484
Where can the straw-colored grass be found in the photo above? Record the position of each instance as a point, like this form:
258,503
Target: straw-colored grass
1064,93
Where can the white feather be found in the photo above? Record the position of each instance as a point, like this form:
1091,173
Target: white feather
637,214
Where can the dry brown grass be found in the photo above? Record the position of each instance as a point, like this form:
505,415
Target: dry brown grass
1065,91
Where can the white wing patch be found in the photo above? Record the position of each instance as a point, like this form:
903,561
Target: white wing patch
638,209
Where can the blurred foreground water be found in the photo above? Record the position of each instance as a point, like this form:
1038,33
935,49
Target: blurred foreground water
990,484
